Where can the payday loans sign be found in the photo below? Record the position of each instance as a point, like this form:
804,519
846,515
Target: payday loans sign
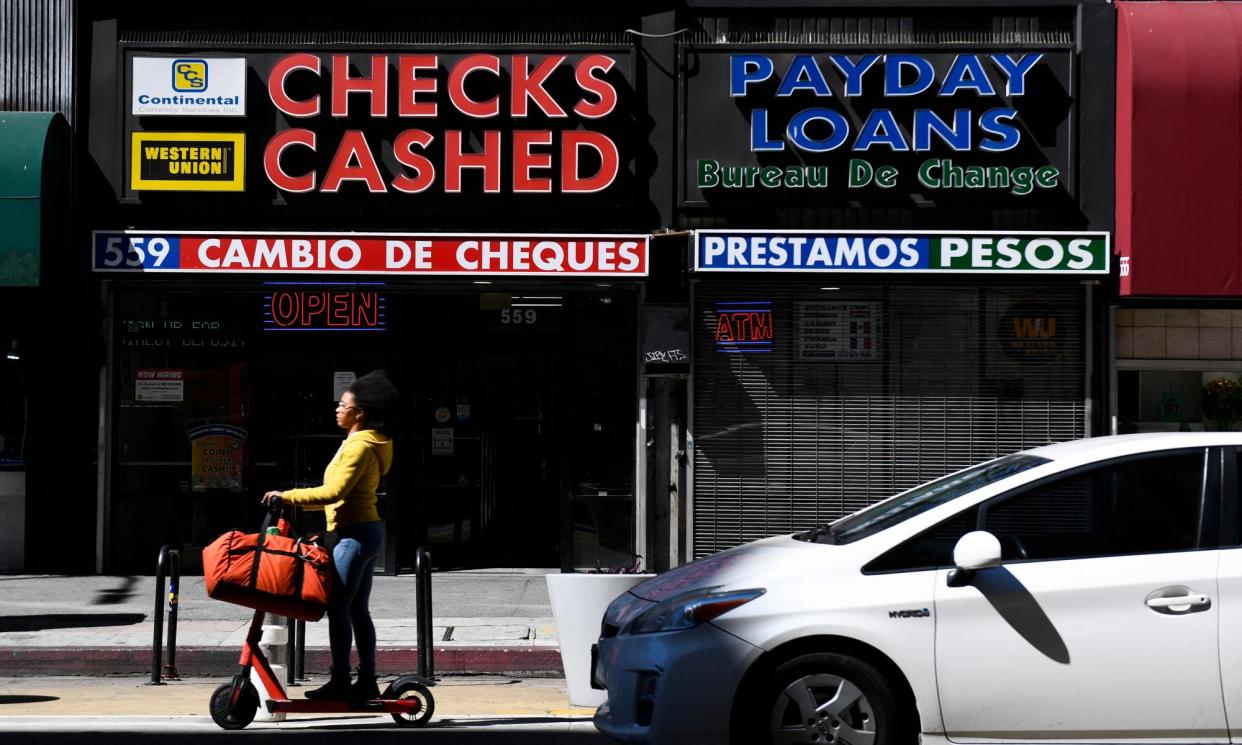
906,252
976,126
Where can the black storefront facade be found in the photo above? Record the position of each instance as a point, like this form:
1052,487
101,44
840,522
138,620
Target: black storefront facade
286,203
833,252
901,256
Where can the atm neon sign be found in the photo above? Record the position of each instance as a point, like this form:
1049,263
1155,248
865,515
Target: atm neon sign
743,327
324,310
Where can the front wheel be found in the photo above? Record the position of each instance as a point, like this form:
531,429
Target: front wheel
234,716
417,691
827,699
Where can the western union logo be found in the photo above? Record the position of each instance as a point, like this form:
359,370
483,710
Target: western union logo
187,161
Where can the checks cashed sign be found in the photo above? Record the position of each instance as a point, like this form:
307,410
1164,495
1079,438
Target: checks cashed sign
602,255
899,251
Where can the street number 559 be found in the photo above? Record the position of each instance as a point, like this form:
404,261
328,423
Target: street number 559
135,251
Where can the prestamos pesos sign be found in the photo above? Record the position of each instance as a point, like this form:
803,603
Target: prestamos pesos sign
901,252
443,254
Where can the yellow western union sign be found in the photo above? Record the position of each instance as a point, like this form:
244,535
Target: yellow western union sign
187,161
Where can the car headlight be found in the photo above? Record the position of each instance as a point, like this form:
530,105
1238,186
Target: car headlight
689,610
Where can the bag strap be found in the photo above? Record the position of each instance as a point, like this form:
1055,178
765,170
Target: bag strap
258,553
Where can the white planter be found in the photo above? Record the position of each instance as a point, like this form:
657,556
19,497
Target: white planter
578,603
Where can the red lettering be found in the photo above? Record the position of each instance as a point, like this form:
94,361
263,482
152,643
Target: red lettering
424,171
457,86
312,305
271,160
524,161
285,308
455,161
409,85
527,85
276,85
376,86
366,309
589,83
610,161
338,309
353,147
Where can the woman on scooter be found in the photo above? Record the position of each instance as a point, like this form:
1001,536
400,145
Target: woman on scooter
366,412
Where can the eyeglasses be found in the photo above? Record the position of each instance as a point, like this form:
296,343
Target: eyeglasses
343,405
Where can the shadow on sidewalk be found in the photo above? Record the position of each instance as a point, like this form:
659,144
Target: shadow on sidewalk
116,595
20,699
68,621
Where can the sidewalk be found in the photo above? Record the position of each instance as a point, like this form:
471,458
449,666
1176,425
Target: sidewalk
484,621
489,696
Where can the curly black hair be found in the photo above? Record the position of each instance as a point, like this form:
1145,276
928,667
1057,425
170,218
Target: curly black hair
375,394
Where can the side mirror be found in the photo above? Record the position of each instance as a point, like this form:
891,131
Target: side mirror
974,551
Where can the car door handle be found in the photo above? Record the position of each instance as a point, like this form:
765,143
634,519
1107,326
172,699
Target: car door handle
1179,603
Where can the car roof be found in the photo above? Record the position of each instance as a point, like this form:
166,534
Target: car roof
1115,446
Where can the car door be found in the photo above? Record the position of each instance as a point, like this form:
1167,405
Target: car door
1230,588
1101,623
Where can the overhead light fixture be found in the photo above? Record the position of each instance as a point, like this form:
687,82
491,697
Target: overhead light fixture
13,353
830,288
482,282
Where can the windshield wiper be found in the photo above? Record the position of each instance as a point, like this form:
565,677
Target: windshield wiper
821,534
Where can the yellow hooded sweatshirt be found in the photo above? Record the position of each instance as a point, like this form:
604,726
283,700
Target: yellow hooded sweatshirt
347,496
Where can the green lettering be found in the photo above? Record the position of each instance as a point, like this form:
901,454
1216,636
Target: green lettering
709,171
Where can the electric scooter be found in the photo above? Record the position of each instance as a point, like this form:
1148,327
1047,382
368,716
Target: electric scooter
233,705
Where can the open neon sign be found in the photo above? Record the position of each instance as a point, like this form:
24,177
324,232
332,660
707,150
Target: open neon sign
743,327
324,310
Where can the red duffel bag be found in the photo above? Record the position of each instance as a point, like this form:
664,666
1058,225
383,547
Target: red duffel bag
272,573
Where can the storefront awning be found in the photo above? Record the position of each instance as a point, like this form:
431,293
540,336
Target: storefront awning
1179,148
32,162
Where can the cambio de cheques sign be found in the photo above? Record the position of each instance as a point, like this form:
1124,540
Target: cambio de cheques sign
581,255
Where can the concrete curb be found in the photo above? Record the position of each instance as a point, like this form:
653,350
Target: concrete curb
222,661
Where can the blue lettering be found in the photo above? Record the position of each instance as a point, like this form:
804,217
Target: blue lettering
966,73
1016,71
881,129
853,71
997,122
745,69
928,122
802,141
893,66
804,64
759,140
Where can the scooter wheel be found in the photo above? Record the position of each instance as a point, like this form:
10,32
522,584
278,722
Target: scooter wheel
234,716
420,692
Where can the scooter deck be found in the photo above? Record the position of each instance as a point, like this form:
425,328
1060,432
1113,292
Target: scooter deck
408,706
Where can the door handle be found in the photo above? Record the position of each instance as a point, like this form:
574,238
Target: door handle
1177,601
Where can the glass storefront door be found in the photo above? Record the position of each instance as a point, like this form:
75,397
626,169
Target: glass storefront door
515,440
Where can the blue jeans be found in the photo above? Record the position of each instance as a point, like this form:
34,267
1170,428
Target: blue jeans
349,615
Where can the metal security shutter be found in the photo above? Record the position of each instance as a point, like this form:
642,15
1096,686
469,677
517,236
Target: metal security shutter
965,374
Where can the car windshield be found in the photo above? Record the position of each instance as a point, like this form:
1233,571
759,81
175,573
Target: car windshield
888,513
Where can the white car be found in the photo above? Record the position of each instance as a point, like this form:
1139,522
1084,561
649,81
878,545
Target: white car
1089,591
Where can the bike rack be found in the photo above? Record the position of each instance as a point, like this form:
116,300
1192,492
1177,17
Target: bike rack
422,610
171,558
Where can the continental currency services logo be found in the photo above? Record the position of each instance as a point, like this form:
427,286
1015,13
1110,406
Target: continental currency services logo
189,75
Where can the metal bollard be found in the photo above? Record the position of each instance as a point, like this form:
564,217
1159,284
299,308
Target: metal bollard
169,558
291,652
301,641
422,600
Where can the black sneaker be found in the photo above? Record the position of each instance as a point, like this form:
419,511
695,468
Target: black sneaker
337,689
364,689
